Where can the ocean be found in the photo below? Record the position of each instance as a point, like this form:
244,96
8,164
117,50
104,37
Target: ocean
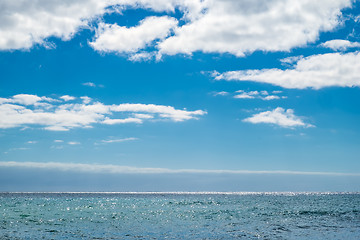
180,216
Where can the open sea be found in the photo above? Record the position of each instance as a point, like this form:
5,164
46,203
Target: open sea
180,216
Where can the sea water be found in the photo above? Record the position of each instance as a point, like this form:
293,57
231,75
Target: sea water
179,216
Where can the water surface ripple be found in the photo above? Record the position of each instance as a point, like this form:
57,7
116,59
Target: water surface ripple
179,216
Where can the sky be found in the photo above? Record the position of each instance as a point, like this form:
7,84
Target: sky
180,95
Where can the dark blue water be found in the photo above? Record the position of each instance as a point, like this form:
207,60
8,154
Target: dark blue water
179,216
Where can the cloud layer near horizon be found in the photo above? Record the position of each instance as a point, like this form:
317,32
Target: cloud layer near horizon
117,169
61,115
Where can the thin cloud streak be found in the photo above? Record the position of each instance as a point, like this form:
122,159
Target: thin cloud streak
119,140
117,169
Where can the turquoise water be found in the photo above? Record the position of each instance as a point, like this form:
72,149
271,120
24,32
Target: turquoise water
179,216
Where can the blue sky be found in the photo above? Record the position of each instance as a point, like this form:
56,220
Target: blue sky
180,95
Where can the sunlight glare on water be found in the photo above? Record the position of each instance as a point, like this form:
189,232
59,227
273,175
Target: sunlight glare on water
180,215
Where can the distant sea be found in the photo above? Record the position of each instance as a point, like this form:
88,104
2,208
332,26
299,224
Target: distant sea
180,216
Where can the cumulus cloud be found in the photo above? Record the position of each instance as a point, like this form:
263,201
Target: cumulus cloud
216,26
278,116
117,169
27,99
25,23
339,44
67,98
241,27
62,116
86,99
115,38
316,71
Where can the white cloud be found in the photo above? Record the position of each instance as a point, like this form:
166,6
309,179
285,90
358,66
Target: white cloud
279,116
119,140
18,149
27,99
74,143
114,38
25,23
271,97
316,71
109,121
142,56
290,60
220,26
93,85
86,99
58,141
67,98
241,27
31,142
339,44
263,95
143,116
163,111
64,116
221,93
244,96
117,169
89,84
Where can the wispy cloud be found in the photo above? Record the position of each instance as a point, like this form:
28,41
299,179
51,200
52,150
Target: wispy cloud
60,116
242,94
19,148
91,84
279,116
74,143
221,93
117,169
316,71
119,140
142,56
